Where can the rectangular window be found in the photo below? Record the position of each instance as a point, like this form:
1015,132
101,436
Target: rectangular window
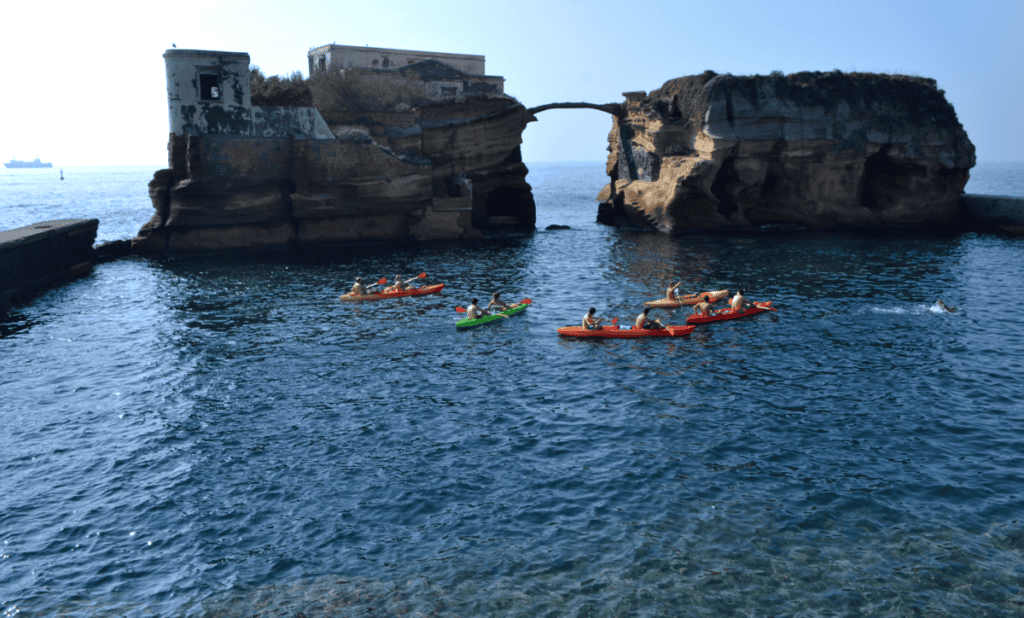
323,63
449,92
209,87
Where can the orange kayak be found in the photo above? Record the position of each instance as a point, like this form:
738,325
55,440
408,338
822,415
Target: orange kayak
729,314
614,332
689,299
427,289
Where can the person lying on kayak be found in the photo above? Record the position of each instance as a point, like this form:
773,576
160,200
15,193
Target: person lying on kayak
703,307
642,321
473,311
497,302
670,293
739,302
591,321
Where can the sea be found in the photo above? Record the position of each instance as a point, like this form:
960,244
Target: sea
218,435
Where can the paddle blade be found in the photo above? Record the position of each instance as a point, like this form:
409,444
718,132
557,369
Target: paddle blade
460,309
382,281
422,276
615,320
526,301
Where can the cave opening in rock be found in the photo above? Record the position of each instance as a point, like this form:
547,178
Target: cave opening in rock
511,207
885,179
726,178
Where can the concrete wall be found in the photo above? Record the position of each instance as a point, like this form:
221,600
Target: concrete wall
194,107
1004,212
350,56
37,256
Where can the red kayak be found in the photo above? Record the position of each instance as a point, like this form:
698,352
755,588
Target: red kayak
729,314
614,332
427,289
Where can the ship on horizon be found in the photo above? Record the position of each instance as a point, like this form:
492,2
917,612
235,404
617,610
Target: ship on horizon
14,163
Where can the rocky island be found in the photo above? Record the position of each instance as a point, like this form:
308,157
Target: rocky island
813,149
386,145
391,145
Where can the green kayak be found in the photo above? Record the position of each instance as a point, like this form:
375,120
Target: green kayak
467,323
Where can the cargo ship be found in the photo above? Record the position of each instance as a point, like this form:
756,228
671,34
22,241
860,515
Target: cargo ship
14,163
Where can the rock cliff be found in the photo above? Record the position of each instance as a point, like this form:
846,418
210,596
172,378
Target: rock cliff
243,175
815,149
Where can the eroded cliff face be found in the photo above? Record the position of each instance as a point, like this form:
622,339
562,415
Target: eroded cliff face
439,172
815,149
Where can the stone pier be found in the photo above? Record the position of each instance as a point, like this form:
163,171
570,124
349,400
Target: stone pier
38,256
1001,211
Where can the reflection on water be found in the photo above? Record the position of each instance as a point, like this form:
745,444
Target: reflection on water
223,437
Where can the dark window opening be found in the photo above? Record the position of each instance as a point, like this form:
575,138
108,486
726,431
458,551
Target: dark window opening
449,92
375,62
323,63
386,63
209,87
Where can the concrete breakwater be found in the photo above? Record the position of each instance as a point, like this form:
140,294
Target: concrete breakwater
38,256
1001,211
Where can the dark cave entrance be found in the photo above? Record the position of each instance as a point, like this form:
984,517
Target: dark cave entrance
885,179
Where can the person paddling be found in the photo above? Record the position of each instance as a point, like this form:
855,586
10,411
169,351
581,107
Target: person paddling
670,293
473,311
643,321
739,302
702,308
399,285
358,289
497,302
591,321
944,306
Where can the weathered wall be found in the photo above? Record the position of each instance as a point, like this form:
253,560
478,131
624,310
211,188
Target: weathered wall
1001,211
43,254
714,151
350,56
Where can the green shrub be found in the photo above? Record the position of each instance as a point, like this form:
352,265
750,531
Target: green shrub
277,91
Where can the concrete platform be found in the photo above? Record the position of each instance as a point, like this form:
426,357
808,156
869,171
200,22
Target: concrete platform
1001,211
38,256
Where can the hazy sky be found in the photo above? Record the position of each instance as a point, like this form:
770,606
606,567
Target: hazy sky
84,82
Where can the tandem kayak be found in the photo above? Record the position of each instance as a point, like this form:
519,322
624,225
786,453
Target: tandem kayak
729,314
614,332
513,310
689,299
427,289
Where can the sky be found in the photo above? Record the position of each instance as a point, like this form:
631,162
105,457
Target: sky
84,82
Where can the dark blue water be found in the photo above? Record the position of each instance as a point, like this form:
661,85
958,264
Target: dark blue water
219,436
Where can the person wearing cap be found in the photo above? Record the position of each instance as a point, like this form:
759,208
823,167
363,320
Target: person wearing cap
643,321
739,302
591,321
473,311
358,289
703,307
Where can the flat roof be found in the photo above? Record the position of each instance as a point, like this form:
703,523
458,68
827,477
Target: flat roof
391,49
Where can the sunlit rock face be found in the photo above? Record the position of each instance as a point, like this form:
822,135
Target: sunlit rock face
815,149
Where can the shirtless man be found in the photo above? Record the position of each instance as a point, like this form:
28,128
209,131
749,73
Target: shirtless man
497,302
358,289
473,311
702,308
943,305
591,321
739,302
399,285
670,293
642,321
